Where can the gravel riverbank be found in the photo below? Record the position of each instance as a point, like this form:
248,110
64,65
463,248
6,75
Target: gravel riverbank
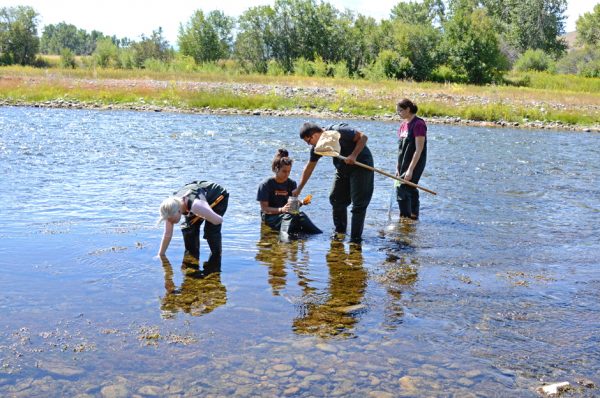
288,92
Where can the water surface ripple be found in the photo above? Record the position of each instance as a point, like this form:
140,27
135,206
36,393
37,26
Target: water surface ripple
494,292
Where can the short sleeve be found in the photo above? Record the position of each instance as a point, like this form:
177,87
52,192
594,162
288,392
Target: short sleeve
313,156
420,129
263,192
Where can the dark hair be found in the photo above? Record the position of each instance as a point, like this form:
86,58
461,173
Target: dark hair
406,103
309,129
281,159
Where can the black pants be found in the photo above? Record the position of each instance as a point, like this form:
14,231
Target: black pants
291,223
212,234
353,186
408,201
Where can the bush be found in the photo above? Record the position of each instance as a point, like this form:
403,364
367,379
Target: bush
445,74
521,81
340,70
302,67
373,72
274,68
67,59
106,53
320,68
536,60
590,69
231,66
209,68
45,61
155,65
183,63
393,65
125,58
580,62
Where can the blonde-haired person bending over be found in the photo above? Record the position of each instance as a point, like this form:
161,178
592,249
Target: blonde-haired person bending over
194,201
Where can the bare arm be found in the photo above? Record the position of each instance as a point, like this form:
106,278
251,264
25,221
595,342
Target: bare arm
265,208
166,239
419,144
306,173
361,140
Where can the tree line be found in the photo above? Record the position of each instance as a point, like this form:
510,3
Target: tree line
471,41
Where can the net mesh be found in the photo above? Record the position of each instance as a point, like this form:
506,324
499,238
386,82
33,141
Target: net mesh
328,144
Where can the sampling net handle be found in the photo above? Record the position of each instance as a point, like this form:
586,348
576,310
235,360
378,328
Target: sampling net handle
412,184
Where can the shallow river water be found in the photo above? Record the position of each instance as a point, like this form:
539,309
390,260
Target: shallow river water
495,291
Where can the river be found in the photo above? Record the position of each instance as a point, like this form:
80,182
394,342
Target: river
495,291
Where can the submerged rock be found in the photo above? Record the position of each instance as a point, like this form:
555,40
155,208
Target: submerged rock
553,390
60,369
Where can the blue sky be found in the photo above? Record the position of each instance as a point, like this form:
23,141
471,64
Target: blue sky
131,18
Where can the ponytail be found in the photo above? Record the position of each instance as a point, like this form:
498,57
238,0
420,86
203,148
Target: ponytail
281,159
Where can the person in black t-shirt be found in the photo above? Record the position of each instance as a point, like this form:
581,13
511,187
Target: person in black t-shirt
352,184
273,194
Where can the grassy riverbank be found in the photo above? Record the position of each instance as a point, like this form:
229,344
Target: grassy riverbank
549,100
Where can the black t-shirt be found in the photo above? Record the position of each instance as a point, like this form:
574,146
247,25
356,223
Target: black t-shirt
347,145
276,194
209,189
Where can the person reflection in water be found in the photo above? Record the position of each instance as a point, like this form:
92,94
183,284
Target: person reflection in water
400,270
277,256
274,195
336,313
201,292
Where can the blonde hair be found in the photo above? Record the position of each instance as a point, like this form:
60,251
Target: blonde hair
169,208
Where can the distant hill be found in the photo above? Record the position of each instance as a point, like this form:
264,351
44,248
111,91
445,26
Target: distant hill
571,38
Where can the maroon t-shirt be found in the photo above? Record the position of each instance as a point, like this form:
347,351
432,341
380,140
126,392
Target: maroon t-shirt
419,129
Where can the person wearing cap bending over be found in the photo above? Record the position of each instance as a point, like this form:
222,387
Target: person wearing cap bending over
352,184
273,194
412,156
197,201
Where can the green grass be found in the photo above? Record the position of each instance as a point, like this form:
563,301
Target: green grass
580,96
555,82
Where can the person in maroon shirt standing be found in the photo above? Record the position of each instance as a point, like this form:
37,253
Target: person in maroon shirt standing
412,156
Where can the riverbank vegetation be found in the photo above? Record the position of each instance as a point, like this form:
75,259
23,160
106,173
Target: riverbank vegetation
477,60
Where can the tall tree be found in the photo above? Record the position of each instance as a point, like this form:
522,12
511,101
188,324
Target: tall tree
472,45
19,42
62,35
223,25
153,47
206,38
530,24
588,27
254,41
421,45
363,43
426,12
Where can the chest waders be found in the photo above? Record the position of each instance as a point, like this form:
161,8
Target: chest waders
191,230
351,185
407,196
